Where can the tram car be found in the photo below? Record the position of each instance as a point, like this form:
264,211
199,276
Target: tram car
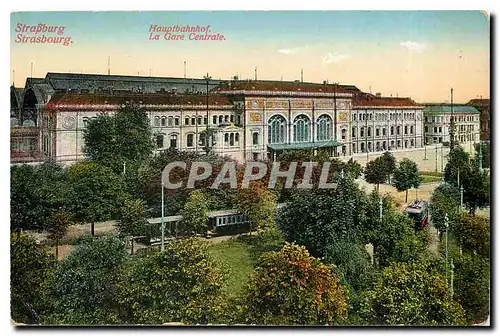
219,223
418,211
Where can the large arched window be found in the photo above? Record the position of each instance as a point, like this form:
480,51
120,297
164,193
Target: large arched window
301,126
324,128
276,129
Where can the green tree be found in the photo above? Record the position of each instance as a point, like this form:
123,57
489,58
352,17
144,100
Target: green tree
445,199
58,227
477,187
376,171
485,152
132,219
472,285
354,168
95,193
473,234
30,266
86,282
393,238
390,164
258,203
181,284
124,138
411,294
37,192
289,287
406,176
150,182
352,261
194,213
458,163
318,218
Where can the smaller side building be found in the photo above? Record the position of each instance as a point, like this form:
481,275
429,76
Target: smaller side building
483,106
440,118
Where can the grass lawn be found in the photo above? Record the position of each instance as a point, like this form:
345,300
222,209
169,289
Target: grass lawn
430,178
240,254
236,257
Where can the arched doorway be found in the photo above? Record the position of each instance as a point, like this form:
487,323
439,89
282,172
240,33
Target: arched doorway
29,111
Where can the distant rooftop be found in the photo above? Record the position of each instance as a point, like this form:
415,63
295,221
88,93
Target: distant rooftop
446,108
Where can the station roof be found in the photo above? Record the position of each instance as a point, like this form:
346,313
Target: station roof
61,99
280,86
146,84
373,101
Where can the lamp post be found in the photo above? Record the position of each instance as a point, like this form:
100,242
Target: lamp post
446,225
461,198
480,156
436,157
425,149
442,158
380,208
452,267
162,217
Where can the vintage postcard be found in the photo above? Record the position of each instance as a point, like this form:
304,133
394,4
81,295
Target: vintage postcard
250,168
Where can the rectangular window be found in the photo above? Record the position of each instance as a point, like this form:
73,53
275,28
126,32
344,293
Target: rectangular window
214,120
173,141
232,118
159,141
163,121
190,140
186,121
176,121
377,132
255,138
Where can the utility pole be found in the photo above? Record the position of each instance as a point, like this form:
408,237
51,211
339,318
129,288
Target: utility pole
184,69
452,138
302,75
109,65
255,70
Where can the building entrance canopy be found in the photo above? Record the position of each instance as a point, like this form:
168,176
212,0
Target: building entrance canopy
303,145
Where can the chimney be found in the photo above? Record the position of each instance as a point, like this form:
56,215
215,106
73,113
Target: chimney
378,95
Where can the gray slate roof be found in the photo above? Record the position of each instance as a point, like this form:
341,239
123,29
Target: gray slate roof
99,83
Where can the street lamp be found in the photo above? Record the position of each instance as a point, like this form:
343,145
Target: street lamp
162,216
436,157
446,225
480,156
380,208
425,148
461,198
452,267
